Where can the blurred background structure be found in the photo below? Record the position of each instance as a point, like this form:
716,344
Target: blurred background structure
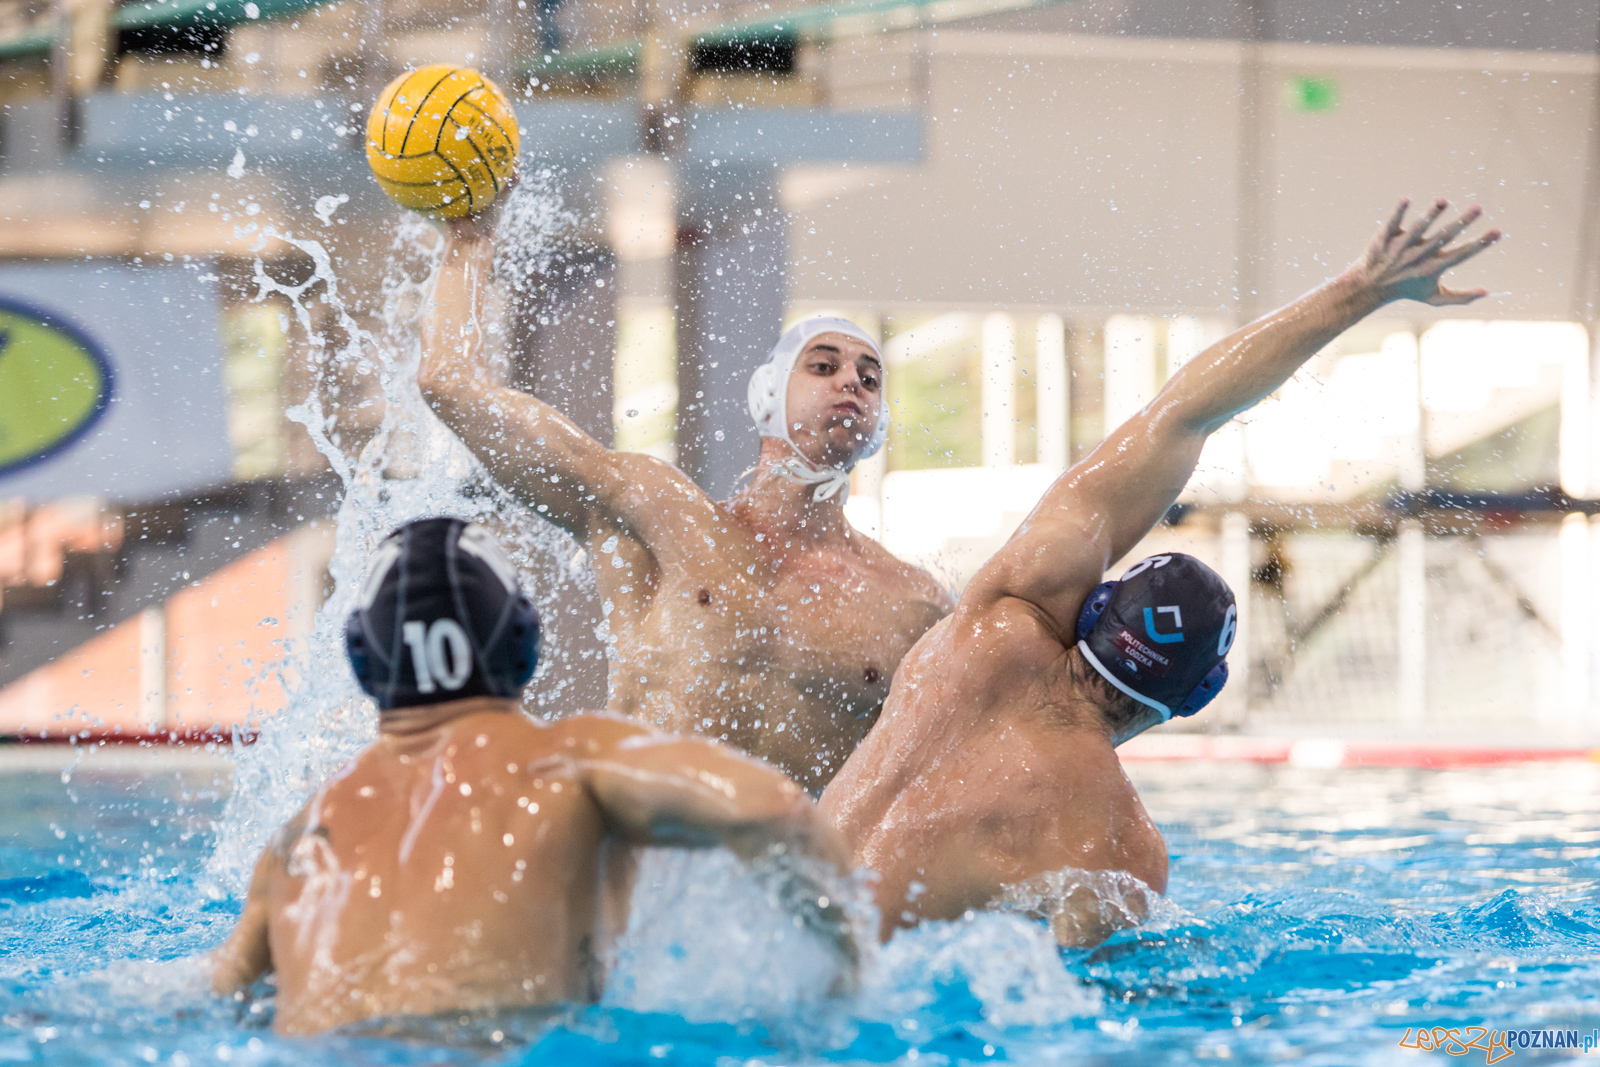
1044,207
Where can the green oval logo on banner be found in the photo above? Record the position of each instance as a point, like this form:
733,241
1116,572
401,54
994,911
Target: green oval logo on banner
55,384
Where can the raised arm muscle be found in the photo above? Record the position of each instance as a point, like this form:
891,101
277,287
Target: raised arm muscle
528,446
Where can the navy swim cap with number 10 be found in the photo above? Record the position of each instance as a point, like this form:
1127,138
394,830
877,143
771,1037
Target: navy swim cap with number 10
441,617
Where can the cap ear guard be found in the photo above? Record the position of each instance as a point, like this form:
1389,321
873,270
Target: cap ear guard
766,395
1205,692
360,653
1094,607
510,662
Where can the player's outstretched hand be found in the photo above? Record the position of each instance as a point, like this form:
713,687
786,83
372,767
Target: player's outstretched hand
1406,262
482,223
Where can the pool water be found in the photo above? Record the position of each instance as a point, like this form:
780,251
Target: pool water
1315,916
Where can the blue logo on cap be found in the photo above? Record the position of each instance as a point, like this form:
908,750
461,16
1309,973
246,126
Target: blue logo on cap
1160,638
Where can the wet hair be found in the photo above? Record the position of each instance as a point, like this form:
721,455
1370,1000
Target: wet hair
1119,710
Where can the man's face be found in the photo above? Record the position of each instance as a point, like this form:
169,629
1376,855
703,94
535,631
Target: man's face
835,394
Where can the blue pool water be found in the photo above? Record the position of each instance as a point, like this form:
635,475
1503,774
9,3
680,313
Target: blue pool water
1315,916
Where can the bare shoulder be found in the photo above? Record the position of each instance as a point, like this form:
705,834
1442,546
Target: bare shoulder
1049,565
1011,630
919,584
594,735
1143,848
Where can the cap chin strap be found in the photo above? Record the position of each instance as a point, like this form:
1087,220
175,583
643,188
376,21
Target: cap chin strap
830,481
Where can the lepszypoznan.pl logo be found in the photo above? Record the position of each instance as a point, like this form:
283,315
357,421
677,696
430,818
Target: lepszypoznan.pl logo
1496,1045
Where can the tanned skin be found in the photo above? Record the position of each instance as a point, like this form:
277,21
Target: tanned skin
993,761
465,860
766,620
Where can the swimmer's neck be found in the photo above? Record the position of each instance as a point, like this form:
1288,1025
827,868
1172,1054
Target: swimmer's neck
1086,718
783,510
409,722
1083,716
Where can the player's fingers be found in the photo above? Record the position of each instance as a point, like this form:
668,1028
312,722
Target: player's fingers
1453,230
1420,228
1461,253
1453,297
1396,224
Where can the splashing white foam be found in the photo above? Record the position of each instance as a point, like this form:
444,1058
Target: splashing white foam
709,939
1011,966
411,468
1086,907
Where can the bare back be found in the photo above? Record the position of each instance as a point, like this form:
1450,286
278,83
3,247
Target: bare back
991,762
473,860
980,775
457,868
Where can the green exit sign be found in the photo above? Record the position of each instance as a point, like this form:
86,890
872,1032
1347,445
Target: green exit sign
1311,94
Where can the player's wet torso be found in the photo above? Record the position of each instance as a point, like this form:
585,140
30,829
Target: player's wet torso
974,780
784,652
457,868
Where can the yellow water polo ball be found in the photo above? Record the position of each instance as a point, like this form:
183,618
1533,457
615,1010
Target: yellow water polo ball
442,140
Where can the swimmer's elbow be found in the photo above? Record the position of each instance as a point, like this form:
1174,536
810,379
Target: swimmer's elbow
245,957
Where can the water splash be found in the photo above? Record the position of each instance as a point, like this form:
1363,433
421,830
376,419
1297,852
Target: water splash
710,938
1086,907
410,468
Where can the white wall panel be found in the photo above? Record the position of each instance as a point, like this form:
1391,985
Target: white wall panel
1101,173
166,429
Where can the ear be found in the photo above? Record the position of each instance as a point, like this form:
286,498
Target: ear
355,646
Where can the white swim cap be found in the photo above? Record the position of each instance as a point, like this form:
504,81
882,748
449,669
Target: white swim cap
769,385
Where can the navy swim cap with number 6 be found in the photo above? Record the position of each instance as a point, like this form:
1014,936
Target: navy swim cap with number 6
1162,633
441,617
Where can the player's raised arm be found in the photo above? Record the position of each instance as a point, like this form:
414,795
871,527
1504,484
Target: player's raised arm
528,446
1100,508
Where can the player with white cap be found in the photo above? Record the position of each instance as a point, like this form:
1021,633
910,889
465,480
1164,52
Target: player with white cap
764,620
